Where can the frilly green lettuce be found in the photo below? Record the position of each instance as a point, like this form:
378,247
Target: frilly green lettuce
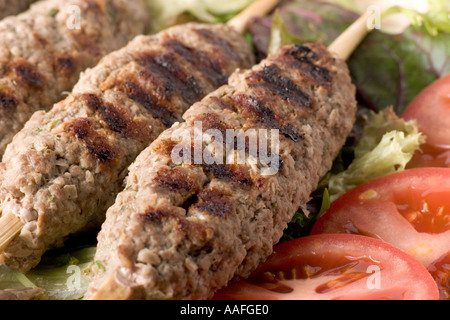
387,145
168,12
64,276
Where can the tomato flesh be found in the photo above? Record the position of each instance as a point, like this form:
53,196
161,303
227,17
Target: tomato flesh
430,156
335,267
431,109
343,269
409,209
426,210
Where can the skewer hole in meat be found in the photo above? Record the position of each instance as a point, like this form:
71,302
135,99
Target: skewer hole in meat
183,230
65,167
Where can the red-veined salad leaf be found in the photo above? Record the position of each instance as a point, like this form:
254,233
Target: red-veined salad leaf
389,70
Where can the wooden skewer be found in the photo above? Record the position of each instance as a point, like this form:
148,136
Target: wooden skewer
10,226
350,39
256,9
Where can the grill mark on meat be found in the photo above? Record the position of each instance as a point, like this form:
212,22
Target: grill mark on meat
233,173
212,38
176,180
118,119
215,202
299,58
289,131
270,78
255,110
230,172
115,119
150,102
152,215
28,74
304,51
8,101
66,64
200,60
97,145
174,77
164,147
211,121
92,101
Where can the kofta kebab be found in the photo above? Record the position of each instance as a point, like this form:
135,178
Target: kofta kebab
177,231
182,229
44,50
64,169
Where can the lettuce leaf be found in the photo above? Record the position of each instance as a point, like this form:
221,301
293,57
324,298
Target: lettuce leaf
170,12
280,35
64,274
387,145
388,70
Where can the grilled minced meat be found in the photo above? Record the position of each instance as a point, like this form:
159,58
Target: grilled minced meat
182,231
64,169
8,7
22,294
44,50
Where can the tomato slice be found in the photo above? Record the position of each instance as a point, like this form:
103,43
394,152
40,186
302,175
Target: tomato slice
335,267
431,109
440,270
409,209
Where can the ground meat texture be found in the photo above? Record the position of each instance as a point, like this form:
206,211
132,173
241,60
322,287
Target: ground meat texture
8,7
64,169
44,50
22,294
183,230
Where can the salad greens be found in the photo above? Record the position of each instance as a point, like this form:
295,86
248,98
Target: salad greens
280,35
381,142
410,60
171,12
64,274
387,145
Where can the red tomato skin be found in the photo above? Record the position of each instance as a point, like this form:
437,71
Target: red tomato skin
331,222
350,215
431,109
324,244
